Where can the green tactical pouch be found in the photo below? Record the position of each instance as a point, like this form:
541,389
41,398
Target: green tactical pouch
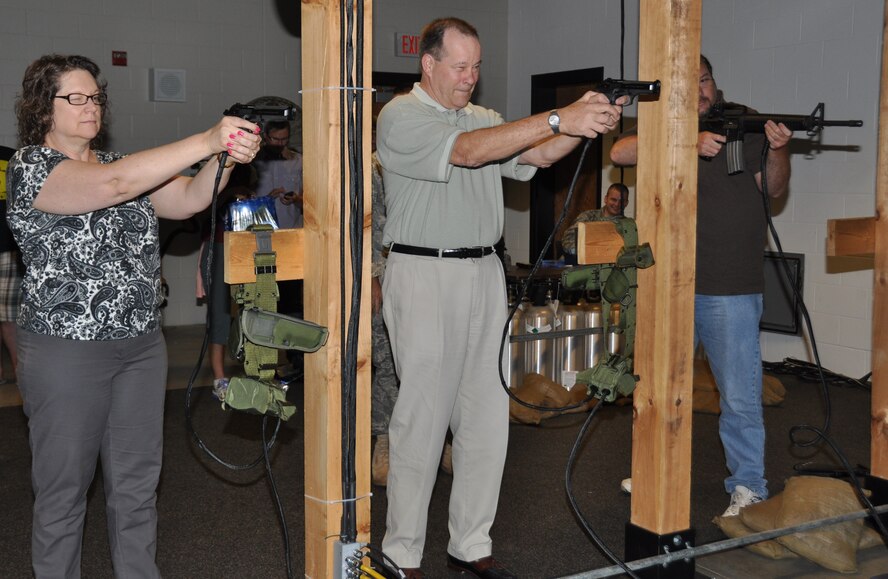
274,330
258,398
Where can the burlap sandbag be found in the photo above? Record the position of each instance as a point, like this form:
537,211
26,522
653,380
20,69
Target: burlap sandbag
734,527
706,398
540,391
870,538
762,516
808,498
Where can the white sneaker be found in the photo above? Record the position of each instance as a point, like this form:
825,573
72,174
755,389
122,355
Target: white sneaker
740,498
626,486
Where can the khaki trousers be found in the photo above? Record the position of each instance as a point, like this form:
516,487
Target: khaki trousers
445,319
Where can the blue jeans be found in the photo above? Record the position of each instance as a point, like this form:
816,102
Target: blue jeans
728,327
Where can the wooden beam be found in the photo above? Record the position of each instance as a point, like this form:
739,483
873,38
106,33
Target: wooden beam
598,242
241,245
322,164
879,444
852,237
666,196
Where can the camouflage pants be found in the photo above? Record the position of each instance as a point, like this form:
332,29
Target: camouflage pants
384,391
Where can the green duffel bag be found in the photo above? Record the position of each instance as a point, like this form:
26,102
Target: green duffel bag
258,397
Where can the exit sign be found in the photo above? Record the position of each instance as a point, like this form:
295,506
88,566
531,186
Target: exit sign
407,45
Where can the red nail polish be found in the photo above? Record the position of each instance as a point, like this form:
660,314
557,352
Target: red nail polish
229,145
231,136
241,133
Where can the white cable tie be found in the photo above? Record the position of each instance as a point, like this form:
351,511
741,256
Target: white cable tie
323,502
370,88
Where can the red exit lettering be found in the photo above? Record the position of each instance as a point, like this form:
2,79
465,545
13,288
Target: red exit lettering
407,45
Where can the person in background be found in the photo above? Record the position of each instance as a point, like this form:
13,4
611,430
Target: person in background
92,358
11,270
279,175
731,238
614,203
444,294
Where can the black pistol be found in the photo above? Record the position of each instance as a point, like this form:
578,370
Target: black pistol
615,88
259,115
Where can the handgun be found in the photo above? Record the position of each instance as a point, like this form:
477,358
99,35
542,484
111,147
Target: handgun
615,88
259,115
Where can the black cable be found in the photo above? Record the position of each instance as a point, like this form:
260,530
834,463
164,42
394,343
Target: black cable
822,434
267,445
799,299
285,535
523,291
388,568
568,487
204,345
807,371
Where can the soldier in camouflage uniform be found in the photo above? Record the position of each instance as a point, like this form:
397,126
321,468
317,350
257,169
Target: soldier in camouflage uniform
385,382
614,202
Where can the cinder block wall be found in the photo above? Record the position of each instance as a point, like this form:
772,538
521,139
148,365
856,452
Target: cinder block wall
780,57
231,51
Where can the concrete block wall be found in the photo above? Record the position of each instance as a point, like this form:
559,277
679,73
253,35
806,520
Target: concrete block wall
779,57
231,51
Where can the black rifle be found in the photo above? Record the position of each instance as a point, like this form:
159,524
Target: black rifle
260,114
734,121
615,88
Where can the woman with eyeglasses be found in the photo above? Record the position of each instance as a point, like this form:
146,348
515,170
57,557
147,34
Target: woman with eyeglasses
92,358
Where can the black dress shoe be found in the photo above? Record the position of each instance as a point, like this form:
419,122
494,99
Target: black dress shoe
485,567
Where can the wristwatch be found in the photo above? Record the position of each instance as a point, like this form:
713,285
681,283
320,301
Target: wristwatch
555,121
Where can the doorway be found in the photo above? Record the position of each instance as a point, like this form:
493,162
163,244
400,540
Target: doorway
548,190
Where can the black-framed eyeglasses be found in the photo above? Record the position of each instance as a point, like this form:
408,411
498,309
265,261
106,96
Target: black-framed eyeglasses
79,99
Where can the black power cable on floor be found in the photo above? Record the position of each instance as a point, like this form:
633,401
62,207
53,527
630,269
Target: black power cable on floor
821,434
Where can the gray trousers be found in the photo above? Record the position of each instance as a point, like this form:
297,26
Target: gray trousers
445,319
85,400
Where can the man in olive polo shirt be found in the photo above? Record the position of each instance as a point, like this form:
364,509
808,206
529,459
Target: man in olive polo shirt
444,290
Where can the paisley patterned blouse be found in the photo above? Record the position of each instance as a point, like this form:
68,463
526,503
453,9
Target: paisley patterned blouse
93,276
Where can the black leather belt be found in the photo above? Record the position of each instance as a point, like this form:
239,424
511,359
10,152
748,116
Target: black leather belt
461,253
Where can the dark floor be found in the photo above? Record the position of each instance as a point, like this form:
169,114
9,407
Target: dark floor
215,523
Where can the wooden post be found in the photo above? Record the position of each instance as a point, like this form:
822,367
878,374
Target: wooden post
879,445
666,195
322,163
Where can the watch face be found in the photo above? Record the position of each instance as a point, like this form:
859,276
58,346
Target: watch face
554,119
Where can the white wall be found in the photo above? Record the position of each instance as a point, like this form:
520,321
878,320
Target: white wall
231,50
781,57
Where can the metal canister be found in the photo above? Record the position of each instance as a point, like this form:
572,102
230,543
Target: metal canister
616,339
539,355
594,345
570,350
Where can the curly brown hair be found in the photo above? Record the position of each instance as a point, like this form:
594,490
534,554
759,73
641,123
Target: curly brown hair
34,107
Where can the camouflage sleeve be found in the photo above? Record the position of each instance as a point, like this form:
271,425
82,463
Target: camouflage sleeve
569,239
378,201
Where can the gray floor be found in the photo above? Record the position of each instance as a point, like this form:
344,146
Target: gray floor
217,523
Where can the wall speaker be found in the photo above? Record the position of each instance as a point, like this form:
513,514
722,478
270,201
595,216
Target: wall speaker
166,85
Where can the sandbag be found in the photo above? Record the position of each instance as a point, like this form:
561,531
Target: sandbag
808,498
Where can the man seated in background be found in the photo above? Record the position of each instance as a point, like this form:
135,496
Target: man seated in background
614,202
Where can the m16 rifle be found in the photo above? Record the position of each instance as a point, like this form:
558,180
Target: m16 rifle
734,121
